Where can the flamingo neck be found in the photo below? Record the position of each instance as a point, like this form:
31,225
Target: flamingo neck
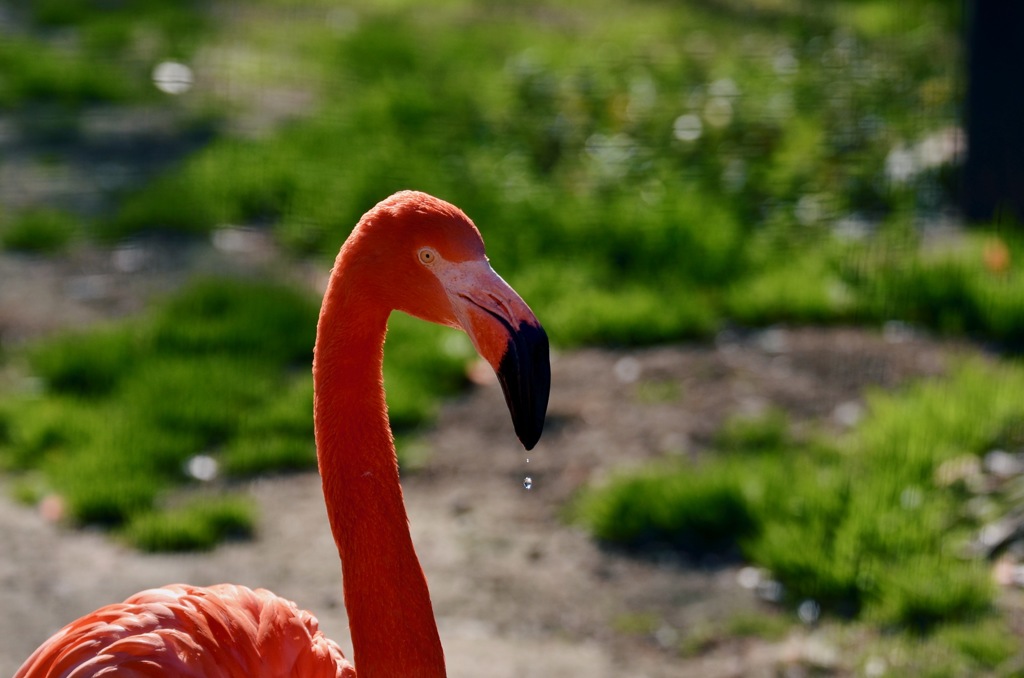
390,616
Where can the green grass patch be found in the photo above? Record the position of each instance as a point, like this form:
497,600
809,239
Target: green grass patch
35,72
764,432
75,53
988,644
951,286
197,526
71,70
222,369
981,647
696,512
278,438
808,290
87,363
594,202
619,227
41,231
173,26
861,526
270,324
124,407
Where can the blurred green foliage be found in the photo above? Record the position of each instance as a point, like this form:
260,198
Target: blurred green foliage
40,230
197,526
764,432
641,172
35,72
695,512
124,408
967,285
220,369
564,134
862,526
74,53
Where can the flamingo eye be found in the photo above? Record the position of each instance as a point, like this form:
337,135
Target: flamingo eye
427,256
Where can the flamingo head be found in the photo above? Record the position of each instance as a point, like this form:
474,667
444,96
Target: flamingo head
427,259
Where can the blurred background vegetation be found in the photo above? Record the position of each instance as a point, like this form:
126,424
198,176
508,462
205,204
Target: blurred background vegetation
643,172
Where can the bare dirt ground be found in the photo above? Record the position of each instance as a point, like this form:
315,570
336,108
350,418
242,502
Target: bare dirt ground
516,590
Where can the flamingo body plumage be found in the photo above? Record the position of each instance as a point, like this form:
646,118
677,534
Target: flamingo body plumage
222,631
414,253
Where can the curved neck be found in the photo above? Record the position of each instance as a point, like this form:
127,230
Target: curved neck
386,597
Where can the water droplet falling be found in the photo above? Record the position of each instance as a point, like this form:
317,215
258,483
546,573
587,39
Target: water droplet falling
527,483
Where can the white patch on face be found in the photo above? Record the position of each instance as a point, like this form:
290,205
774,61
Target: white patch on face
472,287
463,277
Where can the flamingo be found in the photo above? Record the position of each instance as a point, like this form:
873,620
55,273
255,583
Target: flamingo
414,253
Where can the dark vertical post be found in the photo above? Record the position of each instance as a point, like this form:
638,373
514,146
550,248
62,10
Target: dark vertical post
994,172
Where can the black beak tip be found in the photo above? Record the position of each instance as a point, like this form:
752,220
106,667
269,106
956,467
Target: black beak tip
525,376
529,436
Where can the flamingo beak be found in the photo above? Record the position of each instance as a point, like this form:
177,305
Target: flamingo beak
506,333
524,372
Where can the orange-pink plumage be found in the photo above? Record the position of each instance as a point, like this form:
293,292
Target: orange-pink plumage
414,253
222,631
